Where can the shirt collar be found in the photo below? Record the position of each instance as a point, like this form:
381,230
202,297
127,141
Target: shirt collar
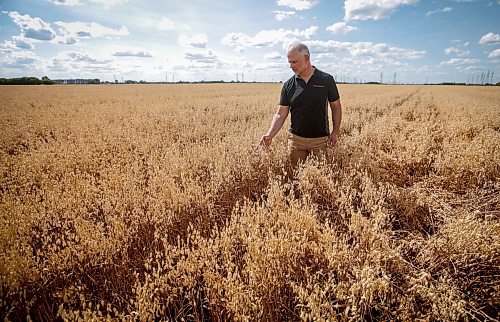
314,73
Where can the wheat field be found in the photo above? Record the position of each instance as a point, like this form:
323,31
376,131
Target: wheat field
153,203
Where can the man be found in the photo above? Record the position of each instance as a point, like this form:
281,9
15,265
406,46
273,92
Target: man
305,95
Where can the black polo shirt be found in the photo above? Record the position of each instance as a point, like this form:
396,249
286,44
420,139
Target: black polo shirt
309,103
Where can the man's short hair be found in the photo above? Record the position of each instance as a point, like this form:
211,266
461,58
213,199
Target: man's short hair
300,48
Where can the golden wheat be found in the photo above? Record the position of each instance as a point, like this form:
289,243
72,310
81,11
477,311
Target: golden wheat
152,202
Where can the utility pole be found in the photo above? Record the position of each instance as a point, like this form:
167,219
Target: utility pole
394,80
381,77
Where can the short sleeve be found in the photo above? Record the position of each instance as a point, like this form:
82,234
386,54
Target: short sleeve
333,92
284,99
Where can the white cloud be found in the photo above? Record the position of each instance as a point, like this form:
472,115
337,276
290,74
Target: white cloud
495,53
340,27
196,41
456,51
79,29
273,55
131,53
206,57
363,49
267,38
108,3
79,64
165,24
297,4
105,3
80,57
34,28
23,43
22,60
18,42
489,38
282,15
443,10
372,9
460,61
309,32
66,2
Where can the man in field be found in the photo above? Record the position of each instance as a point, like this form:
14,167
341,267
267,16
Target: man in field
306,96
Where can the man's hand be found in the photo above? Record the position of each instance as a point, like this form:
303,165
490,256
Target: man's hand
265,141
332,139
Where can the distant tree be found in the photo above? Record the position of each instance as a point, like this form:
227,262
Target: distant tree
20,81
47,81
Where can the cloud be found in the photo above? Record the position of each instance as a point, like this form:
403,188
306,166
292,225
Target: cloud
105,3
340,27
490,39
19,63
363,49
460,61
297,4
42,34
18,42
207,57
372,9
34,28
76,63
273,55
456,51
66,40
131,53
20,60
79,57
495,53
194,41
443,10
23,43
79,29
267,38
166,24
108,3
282,15
66,2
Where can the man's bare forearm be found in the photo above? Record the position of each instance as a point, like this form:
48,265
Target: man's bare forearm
276,124
336,115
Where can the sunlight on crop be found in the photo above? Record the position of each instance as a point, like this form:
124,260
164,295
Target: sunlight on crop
153,202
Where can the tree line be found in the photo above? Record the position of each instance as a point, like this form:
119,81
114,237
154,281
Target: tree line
26,81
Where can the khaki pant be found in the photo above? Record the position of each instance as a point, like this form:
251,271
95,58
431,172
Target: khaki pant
300,148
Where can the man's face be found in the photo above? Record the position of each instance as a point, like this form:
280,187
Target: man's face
298,61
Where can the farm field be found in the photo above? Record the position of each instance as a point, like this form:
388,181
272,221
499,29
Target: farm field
152,202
